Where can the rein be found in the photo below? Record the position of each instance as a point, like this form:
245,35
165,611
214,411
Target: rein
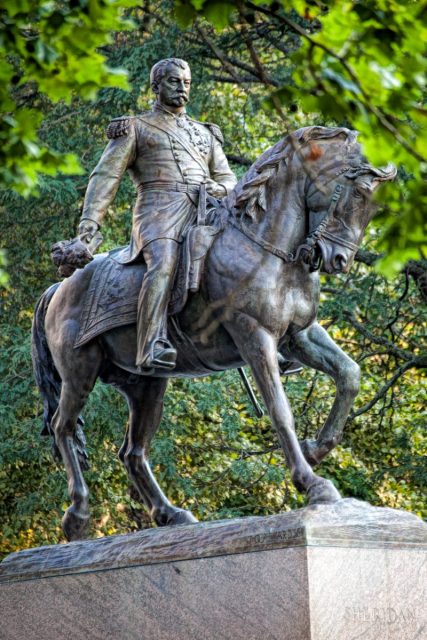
344,243
310,242
287,257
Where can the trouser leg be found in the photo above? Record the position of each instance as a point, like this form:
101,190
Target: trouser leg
161,257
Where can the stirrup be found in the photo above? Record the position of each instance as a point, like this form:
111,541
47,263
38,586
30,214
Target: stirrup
160,357
288,367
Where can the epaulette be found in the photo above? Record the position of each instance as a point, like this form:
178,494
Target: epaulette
215,131
118,127
213,128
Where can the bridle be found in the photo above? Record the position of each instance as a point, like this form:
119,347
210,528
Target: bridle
306,250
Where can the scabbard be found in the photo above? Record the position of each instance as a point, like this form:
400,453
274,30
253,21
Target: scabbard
201,207
258,409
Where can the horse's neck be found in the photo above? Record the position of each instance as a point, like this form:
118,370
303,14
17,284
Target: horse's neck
283,223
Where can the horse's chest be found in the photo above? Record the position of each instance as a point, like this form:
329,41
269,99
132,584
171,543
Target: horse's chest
298,308
274,294
278,306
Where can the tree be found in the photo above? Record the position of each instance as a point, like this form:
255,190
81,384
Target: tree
211,455
49,52
362,63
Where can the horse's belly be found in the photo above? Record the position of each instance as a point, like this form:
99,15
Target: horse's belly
200,352
204,339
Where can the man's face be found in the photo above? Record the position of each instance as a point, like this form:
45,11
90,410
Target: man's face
173,90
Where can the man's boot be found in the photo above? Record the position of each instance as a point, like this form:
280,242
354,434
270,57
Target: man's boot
153,347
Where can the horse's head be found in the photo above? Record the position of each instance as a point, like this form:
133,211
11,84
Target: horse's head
339,188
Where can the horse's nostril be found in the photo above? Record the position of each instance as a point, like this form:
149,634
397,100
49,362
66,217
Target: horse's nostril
340,262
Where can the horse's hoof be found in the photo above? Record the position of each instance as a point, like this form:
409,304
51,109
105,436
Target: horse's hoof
181,516
323,492
308,448
74,526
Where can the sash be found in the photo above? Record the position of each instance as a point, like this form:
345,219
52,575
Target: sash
194,153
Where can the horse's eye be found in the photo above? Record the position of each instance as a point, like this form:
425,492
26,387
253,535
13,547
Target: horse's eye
357,193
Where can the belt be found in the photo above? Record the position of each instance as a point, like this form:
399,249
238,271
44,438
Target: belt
169,186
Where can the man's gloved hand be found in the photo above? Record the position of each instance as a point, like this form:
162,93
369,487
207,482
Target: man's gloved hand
87,230
89,234
69,255
215,189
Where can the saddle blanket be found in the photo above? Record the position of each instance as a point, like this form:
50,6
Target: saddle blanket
112,298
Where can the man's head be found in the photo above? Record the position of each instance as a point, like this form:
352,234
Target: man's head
170,80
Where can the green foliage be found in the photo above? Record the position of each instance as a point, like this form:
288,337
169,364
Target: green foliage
211,454
4,279
363,64
49,50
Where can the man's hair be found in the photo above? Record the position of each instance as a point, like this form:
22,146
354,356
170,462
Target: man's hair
159,69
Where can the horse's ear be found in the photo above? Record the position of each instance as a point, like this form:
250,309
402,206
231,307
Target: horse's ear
373,178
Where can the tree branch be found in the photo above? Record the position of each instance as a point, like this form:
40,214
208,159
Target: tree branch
417,363
391,348
261,73
367,257
234,79
382,119
246,162
218,53
417,269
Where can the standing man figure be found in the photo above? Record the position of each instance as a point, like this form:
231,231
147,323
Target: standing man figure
168,156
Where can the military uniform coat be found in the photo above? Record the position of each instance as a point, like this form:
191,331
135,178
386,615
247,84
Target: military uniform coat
167,157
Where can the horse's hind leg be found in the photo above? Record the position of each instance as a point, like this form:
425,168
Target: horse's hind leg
145,400
76,518
315,348
78,370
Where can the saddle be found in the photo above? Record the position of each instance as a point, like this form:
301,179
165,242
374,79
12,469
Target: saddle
112,297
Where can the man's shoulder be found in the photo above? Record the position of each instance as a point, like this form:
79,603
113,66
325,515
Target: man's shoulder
213,129
121,126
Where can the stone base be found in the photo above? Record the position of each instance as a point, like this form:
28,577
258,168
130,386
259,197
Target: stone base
330,572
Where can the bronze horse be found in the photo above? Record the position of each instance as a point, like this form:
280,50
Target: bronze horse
304,204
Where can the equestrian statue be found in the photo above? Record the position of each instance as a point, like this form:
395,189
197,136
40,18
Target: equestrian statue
218,275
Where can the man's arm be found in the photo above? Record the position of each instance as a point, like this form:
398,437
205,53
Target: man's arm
105,179
220,172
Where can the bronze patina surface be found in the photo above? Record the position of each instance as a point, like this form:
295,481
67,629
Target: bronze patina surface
303,206
168,157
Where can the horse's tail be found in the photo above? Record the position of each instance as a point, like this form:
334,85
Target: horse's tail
48,379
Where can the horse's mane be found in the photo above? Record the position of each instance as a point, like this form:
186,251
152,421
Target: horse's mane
249,195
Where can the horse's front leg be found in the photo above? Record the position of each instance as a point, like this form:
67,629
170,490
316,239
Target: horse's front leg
315,348
259,349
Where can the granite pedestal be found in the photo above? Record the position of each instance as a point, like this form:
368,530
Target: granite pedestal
331,572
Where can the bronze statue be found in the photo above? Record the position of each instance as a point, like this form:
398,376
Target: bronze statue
168,156
302,206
